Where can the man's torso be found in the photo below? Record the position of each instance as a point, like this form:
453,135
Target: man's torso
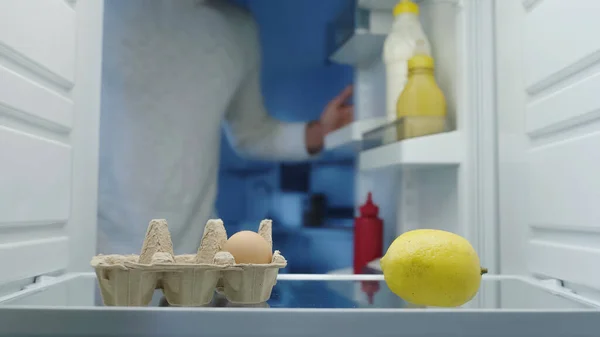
170,69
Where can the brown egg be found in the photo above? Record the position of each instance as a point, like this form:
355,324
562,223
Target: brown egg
249,247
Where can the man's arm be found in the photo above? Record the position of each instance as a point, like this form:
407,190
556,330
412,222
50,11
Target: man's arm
253,132
315,137
249,127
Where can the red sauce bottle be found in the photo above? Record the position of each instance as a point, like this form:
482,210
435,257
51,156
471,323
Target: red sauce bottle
368,235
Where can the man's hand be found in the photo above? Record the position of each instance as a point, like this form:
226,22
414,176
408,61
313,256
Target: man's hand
338,113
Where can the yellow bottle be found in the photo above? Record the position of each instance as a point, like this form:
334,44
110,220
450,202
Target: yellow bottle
421,105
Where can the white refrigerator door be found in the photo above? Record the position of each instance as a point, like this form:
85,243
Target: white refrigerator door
548,101
50,66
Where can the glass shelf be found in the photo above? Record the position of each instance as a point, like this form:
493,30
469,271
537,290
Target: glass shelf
402,129
305,305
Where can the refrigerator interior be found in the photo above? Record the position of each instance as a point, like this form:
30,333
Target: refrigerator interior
469,180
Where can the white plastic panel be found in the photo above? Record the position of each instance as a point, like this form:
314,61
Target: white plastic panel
65,290
573,44
576,104
48,135
40,33
35,179
549,133
35,100
437,196
27,258
444,149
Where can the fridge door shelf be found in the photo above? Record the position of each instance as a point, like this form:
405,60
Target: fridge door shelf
348,139
388,5
305,305
382,149
357,36
410,127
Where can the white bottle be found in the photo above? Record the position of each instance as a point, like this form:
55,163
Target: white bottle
399,47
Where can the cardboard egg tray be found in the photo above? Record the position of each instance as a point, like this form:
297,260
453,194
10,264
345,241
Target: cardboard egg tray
186,280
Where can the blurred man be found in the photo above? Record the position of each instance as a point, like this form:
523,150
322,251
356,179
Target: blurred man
173,71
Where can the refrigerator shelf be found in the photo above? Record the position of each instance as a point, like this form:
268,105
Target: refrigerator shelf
358,35
349,138
385,151
305,305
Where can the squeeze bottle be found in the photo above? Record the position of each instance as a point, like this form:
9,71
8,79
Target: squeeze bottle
422,101
399,47
368,235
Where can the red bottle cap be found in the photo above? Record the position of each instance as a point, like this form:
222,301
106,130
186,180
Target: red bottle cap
369,209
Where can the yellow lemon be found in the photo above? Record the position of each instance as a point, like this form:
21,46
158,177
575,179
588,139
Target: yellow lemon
431,267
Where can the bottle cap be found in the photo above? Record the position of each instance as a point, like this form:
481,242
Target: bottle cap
369,208
406,6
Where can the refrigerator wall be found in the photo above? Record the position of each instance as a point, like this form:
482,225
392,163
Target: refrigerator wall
548,131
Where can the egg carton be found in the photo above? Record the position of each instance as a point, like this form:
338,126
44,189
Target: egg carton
186,280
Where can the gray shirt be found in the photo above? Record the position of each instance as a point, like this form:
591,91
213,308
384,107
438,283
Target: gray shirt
172,72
